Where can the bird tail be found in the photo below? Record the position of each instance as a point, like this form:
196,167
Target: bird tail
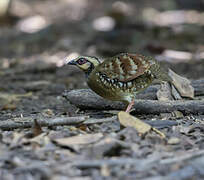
160,73
164,75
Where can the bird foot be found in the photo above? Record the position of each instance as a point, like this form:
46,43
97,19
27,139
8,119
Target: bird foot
129,107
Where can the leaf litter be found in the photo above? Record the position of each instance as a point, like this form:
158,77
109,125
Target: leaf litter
70,143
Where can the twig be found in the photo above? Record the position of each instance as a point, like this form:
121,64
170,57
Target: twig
144,164
114,162
87,99
184,157
27,123
95,121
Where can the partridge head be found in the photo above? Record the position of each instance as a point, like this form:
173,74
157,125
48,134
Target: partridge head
121,77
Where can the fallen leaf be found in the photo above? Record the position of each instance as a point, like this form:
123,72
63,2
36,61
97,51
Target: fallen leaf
130,121
10,106
177,114
82,127
48,113
36,129
173,141
182,84
159,132
79,139
164,92
175,93
40,140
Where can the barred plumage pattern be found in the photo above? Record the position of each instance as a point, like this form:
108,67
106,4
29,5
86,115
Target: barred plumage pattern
121,77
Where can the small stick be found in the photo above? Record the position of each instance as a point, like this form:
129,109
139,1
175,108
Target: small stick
87,99
95,121
29,122
59,121
97,163
185,157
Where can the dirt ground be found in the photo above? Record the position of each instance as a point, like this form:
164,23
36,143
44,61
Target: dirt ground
36,39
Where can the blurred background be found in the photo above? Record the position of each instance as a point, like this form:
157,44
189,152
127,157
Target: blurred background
37,34
37,37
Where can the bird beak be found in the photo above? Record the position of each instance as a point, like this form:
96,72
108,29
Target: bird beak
72,62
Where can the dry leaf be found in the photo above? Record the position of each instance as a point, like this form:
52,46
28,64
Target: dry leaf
182,84
17,138
40,140
47,113
175,93
130,121
164,93
177,114
173,141
10,106
36,129
79,139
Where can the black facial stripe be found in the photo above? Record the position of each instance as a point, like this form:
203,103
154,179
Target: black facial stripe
95,58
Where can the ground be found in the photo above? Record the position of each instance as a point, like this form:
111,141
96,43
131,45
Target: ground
38,37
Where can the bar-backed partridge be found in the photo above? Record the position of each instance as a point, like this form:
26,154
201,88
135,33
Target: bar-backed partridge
120,77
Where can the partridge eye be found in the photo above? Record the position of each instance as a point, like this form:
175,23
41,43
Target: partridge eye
81,61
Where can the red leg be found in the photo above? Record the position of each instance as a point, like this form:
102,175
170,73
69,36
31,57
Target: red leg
129,107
